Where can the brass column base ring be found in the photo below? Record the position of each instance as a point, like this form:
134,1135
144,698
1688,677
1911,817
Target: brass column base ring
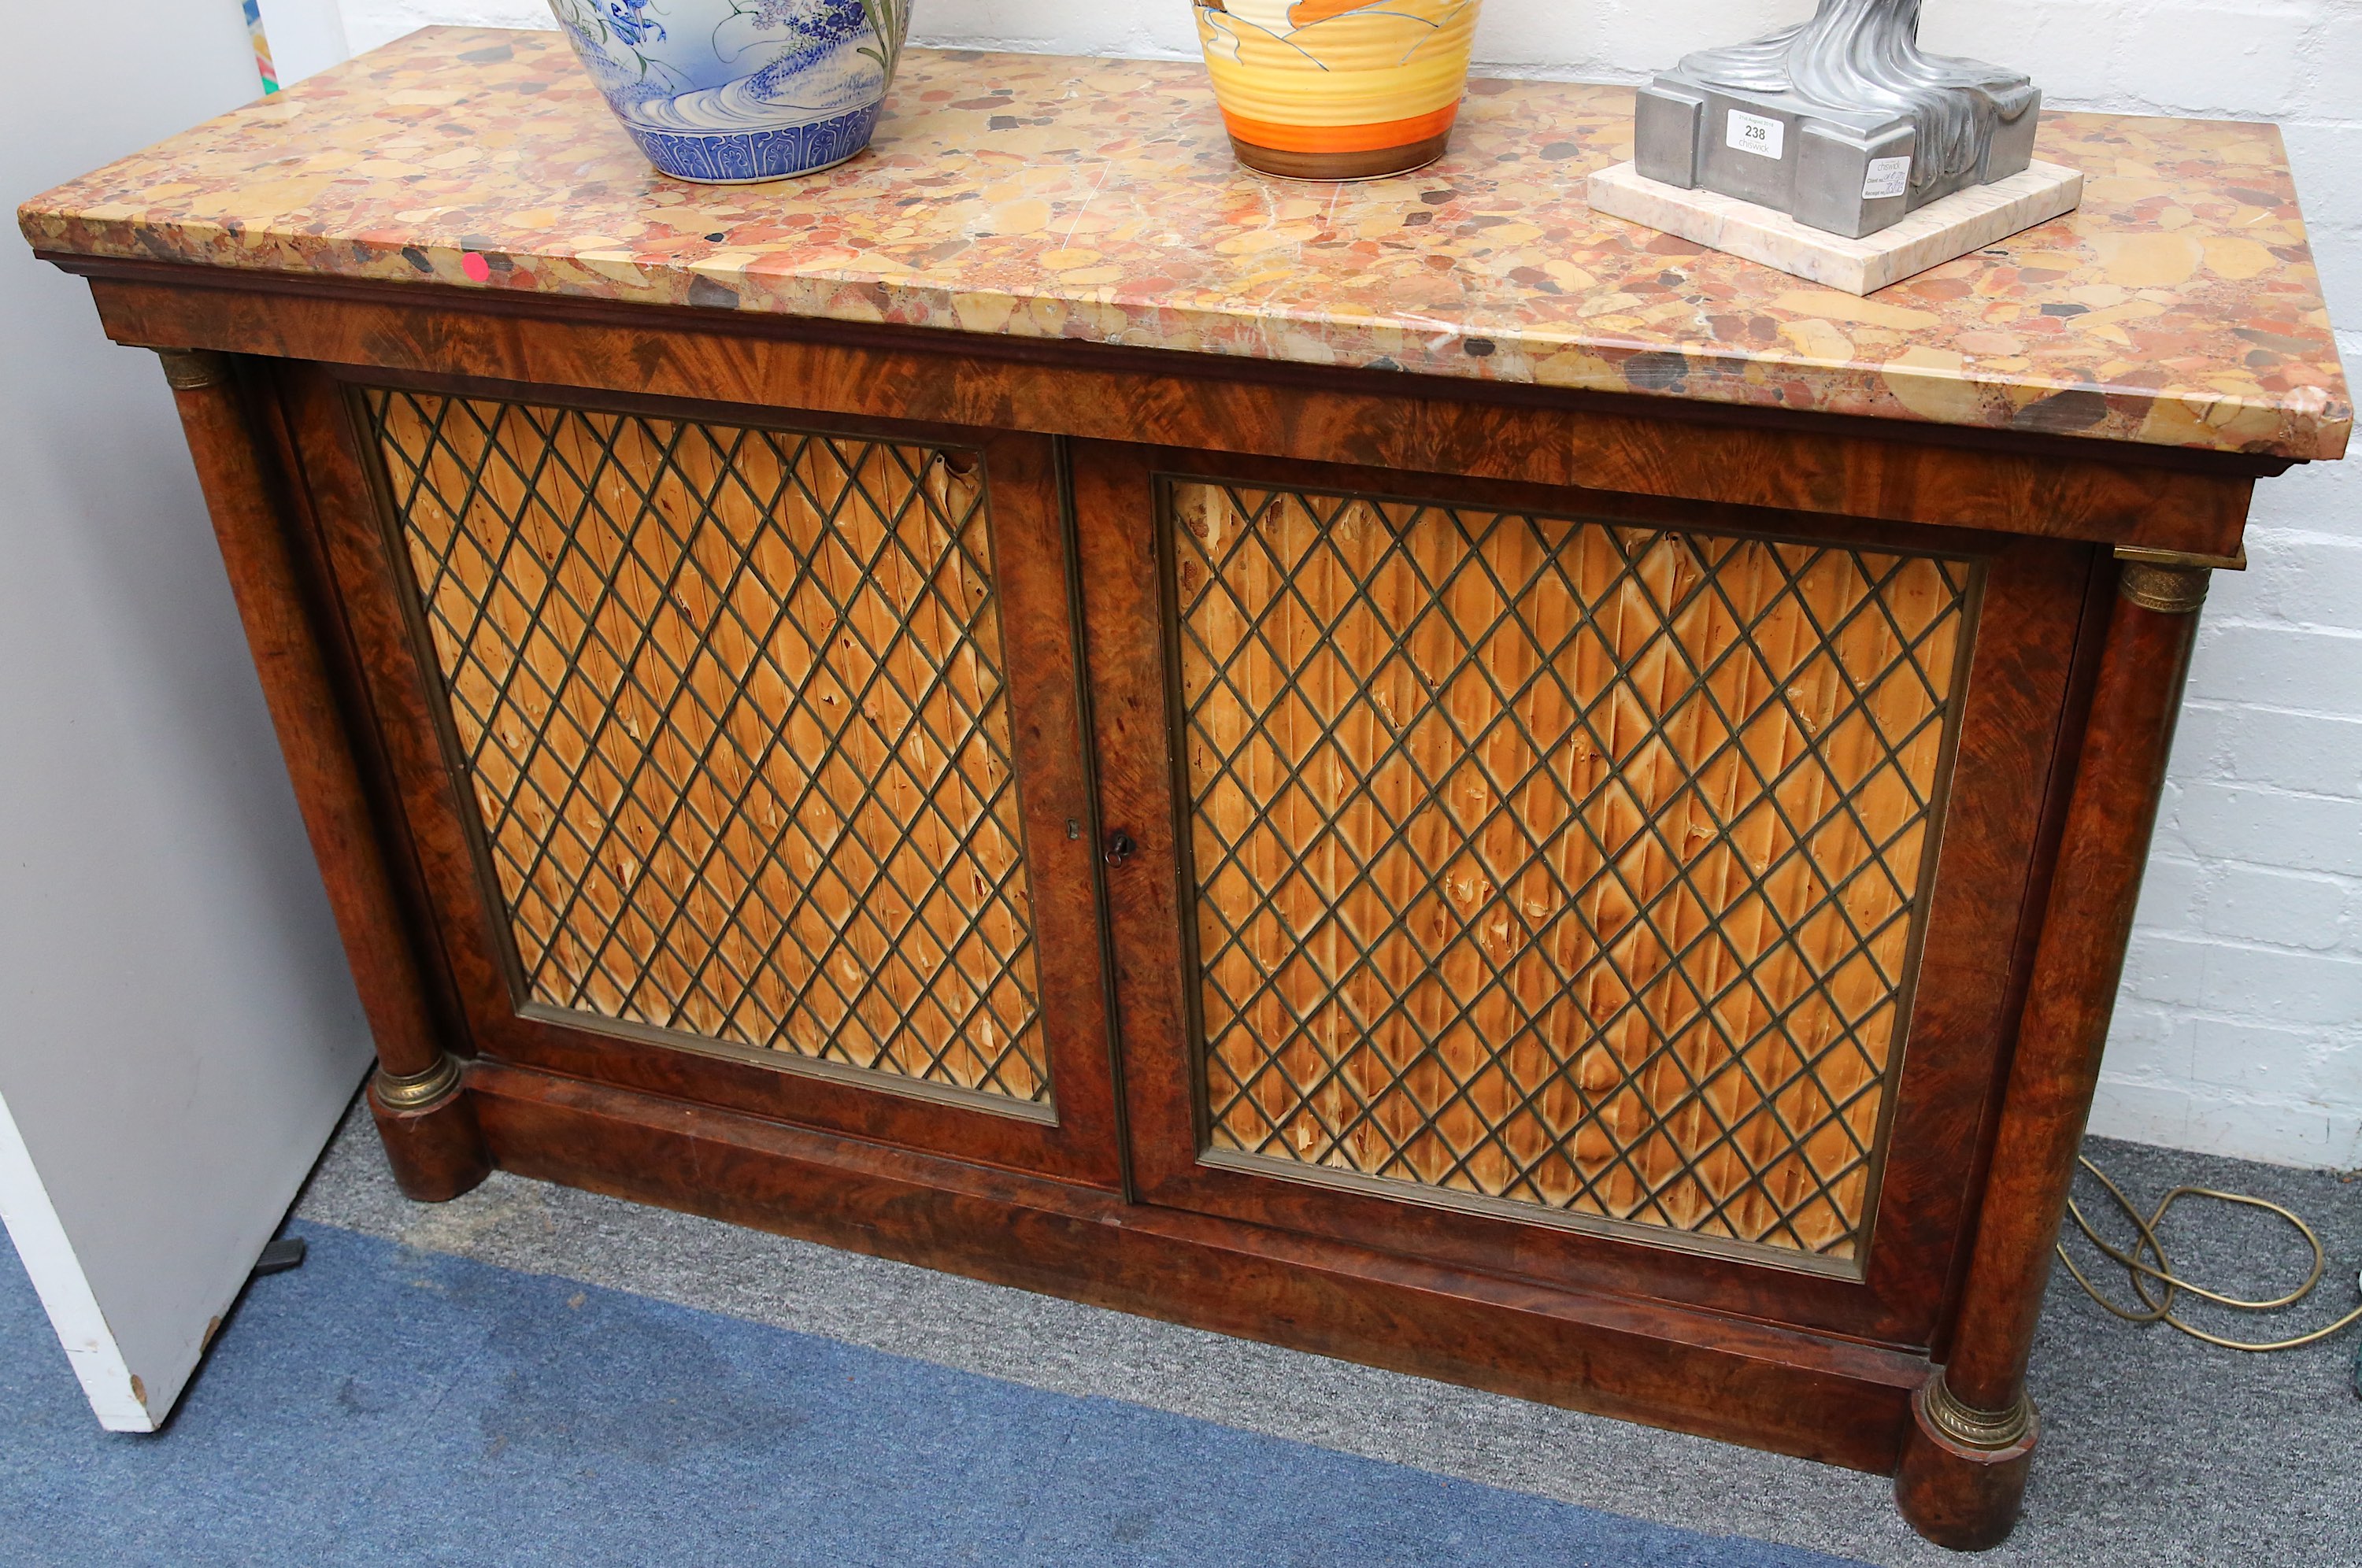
1992,1430
416,1091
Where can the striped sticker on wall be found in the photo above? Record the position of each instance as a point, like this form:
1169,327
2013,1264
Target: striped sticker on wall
262,66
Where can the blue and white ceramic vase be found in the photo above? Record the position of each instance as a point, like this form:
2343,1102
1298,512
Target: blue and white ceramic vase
730,92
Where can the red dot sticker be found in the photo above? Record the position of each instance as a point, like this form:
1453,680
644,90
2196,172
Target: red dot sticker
476,267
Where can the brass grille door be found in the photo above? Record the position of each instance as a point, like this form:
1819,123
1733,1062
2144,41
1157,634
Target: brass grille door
1540,873
1557,865
763,746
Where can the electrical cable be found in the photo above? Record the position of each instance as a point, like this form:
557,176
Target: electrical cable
2143,1274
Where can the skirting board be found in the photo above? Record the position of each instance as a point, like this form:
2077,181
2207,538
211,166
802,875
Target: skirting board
1939,232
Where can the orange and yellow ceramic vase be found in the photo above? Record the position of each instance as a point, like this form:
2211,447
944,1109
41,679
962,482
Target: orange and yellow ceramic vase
1338,89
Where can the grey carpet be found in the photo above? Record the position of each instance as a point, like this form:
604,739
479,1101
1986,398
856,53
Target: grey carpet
2157,1449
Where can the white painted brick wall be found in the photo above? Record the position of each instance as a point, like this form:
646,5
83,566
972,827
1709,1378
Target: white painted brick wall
2240,1030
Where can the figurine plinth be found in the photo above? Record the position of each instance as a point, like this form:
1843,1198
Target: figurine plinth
1960,223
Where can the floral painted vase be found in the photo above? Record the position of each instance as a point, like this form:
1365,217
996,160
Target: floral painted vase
1338,89
730,92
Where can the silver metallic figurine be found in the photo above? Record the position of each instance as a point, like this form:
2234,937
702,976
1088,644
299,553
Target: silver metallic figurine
1841,123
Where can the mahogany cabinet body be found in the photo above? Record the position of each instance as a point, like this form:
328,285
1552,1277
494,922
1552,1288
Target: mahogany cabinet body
1563,893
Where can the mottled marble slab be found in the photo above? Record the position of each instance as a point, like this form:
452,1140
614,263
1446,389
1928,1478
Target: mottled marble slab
1943,230
1097,200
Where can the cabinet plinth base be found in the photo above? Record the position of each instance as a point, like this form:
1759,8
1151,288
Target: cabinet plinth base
1833,1400
1957,1495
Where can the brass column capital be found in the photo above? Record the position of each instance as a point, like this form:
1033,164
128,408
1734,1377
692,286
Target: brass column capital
2171,582
189,370
2167,589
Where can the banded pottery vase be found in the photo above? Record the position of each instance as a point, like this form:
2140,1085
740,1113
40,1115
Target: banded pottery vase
732,92
1338,89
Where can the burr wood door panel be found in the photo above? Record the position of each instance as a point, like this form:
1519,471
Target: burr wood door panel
741,754
1597,890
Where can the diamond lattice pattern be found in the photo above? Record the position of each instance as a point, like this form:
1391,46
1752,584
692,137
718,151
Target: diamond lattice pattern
730,704
1558,864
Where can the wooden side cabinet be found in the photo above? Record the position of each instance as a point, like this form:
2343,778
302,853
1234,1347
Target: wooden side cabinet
1564,893
1415,771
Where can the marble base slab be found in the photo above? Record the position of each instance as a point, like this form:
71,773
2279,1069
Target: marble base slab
1939,232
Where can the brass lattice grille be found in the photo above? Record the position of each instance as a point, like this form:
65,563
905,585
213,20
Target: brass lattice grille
730,704
1558,864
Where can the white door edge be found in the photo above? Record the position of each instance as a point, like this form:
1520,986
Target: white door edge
116,1394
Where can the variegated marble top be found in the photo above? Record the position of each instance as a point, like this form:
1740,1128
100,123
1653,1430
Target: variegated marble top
1097,200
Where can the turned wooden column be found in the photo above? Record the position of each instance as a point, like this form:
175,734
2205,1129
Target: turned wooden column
1962,1477
417,1091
